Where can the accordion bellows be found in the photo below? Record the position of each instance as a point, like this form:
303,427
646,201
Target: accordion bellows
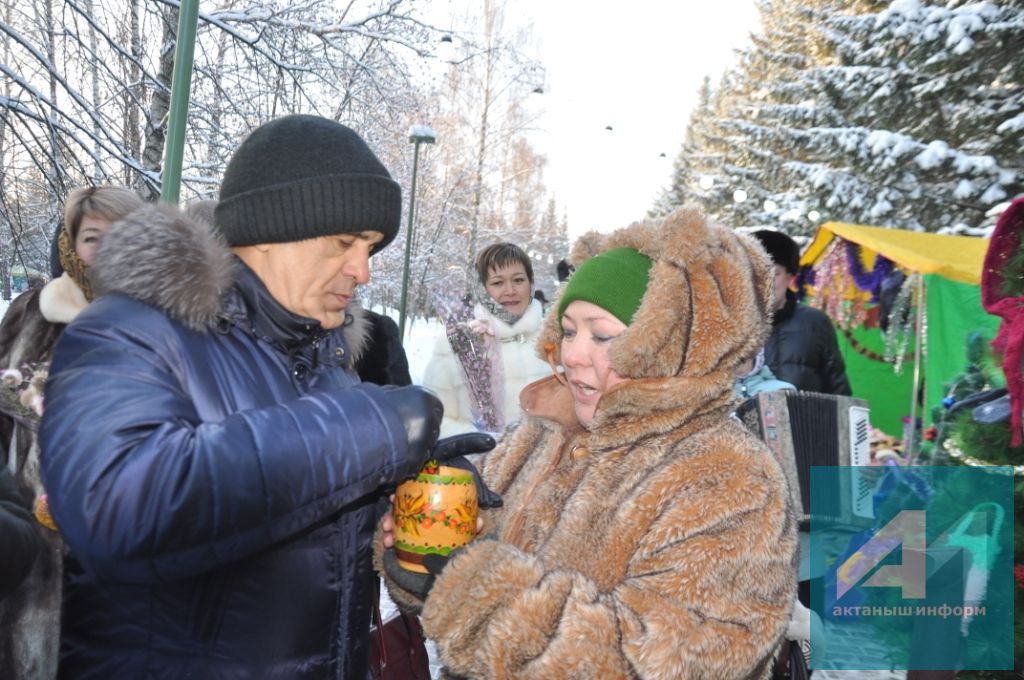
805,429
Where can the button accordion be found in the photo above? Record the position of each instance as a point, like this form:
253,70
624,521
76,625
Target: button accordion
804,429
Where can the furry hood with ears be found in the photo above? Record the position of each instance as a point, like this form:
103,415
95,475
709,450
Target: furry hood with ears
706,307
167,259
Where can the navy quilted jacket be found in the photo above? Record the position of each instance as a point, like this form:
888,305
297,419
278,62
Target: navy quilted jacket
218,490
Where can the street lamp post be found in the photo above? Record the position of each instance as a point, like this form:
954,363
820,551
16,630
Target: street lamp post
418,134
181,85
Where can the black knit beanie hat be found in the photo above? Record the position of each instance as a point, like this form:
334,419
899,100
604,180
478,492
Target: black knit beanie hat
300,177
781,248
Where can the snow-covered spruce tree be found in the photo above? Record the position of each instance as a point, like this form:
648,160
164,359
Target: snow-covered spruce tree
919,115
770,109
906,114
690,165
732,161
703,171
549,243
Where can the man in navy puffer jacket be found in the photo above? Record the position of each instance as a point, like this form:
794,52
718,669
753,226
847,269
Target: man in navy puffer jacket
209,454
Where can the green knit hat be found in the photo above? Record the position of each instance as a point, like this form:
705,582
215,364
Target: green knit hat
615,281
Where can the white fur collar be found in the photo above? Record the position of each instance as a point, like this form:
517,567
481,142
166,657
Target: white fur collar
358,333
529,323
61,300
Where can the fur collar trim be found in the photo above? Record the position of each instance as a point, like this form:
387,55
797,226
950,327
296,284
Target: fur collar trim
705,310
358,332
161,256
528,324
61,300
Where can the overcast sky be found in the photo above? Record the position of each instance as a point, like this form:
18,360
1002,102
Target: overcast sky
637,69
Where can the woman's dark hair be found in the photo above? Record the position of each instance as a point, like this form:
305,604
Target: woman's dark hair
500,255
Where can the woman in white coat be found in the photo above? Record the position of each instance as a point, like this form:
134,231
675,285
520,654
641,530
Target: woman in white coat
504,301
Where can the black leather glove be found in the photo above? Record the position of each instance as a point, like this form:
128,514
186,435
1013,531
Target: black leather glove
462,445
453,451
414,582
421,412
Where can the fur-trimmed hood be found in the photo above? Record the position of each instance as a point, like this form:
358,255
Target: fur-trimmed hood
167,259
706,309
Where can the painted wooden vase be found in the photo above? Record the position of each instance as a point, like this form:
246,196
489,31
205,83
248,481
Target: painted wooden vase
434,513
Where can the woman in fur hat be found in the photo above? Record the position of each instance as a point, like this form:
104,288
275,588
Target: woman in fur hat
30,615
645,533
505,303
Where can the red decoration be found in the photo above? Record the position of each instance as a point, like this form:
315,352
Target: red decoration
1009,341
1018,575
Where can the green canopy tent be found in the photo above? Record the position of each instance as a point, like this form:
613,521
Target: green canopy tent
950,274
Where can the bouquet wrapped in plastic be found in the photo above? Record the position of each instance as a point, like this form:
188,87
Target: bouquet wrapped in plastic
477,353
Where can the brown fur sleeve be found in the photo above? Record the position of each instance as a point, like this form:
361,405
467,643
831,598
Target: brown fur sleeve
497,612
705,591
709,589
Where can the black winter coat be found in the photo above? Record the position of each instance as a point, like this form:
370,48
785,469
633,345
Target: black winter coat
802,350
383,362
218,488
18,535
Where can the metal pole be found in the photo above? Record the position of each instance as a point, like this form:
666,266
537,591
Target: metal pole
911,453
181,84
408,244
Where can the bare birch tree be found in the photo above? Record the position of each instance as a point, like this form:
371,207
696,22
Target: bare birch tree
86,90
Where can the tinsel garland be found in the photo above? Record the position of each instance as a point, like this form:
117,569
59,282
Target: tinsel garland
805,279
901,325
869,282
833,280
860,349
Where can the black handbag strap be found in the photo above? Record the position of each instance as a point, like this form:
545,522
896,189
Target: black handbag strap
798,669
378,623
412,632
791,664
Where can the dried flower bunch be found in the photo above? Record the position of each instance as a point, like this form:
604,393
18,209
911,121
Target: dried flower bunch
478,354
21,393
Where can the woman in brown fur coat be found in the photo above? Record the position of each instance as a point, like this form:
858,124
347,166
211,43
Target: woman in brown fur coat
644,533
30,615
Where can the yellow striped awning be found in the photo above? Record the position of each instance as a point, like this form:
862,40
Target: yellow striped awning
954,257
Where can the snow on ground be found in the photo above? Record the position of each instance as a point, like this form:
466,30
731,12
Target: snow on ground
420,336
